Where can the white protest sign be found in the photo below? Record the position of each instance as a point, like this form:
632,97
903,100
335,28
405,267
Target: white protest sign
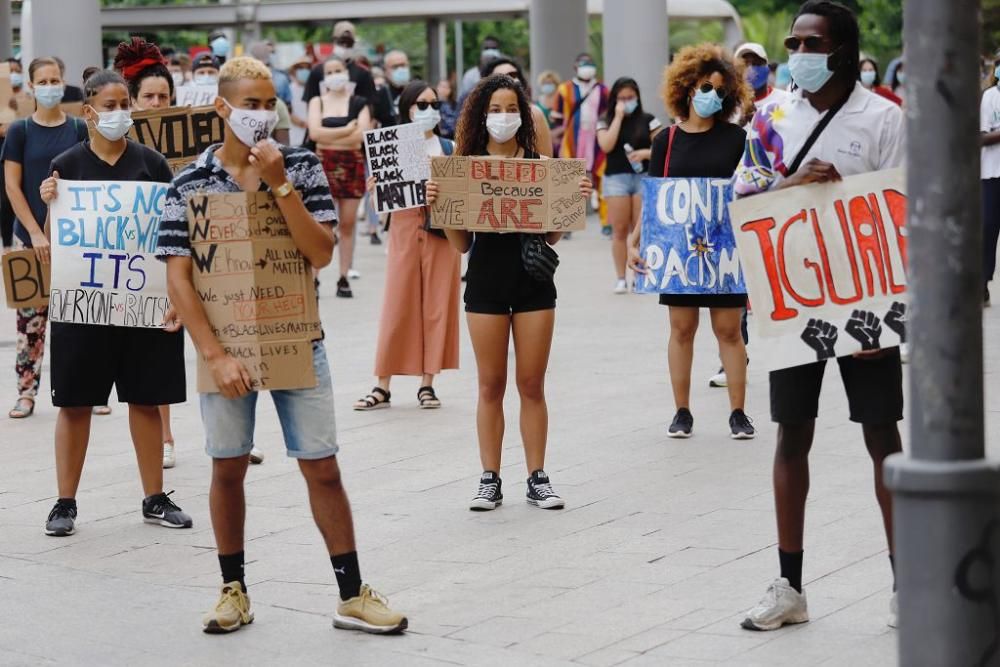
397,158
196,95
825,267
104,266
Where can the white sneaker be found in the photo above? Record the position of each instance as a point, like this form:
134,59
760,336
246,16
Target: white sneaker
781,604
169,460
719,379
256,455
353,274
893,621
904,352
621,287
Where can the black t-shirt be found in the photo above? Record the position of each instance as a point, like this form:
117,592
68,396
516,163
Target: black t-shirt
364,85
137,163
636,131
712,154
72,94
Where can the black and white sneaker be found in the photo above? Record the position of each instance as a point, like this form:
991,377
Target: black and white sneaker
540,493
740,426
161,510
489,496
682,425
61,520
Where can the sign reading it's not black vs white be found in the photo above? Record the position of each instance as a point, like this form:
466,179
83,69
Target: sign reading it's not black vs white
397,158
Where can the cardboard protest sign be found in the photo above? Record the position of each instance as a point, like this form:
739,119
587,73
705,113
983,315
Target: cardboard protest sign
24,103
180,134
508,195
397,158
104,266
687,238
826,268
196,96
25,280
256,287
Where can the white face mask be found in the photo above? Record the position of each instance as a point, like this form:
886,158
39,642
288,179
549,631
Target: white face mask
427,119
178,78
336,81
586,72
503,126
113,125
205,80
251,127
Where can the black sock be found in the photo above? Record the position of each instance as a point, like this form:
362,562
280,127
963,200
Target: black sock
791,568
68,502
232,568
892,562
348,573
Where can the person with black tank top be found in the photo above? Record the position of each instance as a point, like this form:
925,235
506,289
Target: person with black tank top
338,120
703,88
502,298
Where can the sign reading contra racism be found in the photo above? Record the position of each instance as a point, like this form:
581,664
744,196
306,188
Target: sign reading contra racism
179,134
826,267
687,238
257,289
104,266
397,158
508,195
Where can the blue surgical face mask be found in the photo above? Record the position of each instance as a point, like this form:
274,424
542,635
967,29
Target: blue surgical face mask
302,75
901,77
631,106
220,47
781,77
707,104
548,88
757,76
16,79
401,76
810,71
491,54
996,73
49,96
868,78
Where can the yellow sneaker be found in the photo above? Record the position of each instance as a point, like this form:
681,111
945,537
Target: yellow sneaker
368,612
231,612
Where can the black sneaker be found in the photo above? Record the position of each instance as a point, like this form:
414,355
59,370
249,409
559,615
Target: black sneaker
540,493
375,239
160,509
489,496
740,426
60,521
682,425
344,288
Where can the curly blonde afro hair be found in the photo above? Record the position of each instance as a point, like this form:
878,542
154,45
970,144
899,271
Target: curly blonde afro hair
692,65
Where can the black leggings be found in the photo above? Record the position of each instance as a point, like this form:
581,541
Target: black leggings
6,214
991,226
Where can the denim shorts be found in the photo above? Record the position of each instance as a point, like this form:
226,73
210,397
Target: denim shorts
306,417
622,185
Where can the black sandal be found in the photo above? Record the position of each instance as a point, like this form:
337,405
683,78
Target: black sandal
428,399
379,398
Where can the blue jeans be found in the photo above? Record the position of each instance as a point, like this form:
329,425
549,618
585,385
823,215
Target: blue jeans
306,417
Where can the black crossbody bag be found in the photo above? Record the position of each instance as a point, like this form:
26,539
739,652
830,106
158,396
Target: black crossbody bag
538,257
814,135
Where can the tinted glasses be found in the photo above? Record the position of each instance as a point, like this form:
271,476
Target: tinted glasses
812,42
422,105
708,87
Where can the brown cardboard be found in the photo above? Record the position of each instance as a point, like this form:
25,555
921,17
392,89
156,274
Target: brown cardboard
256,287
72,108
25,279
508,195
7,111
25,103
180,134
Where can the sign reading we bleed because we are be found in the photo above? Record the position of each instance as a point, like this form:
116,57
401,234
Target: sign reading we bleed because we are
257,289
104,266
508,195
826,266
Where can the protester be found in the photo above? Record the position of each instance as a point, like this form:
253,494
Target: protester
337,122
180,69
625,134
299,74
510,67
579,104
824,56
418,329
502,298
490,51
896,76
989,125
871,80
296,179
344,40
219,43
264,52
548,84
449,108
88,359
28,150
753,57
397,75
703,88
205,70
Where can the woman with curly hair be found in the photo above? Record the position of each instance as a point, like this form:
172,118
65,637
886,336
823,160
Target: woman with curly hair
702,87
502,298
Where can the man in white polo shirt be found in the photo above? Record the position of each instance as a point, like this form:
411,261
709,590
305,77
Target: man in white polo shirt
863,133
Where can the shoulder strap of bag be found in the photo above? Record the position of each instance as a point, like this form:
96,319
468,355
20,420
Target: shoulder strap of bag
814,135
670,147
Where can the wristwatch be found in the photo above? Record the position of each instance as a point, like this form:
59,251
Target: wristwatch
283,190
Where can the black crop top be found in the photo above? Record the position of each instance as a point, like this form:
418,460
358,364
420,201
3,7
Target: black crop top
354,107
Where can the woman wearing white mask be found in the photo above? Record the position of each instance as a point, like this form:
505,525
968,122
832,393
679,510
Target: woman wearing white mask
337,122
28,150
502,298
418,330
88,359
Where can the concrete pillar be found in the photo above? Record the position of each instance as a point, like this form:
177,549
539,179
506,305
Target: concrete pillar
69,30
558,34
637,44
6,31
437,51
459,55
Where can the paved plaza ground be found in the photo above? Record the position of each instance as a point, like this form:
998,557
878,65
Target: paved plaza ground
662,547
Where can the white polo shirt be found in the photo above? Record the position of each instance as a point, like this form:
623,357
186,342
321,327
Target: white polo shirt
989,121
866,135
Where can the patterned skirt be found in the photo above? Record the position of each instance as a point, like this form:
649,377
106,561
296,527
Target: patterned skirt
345,170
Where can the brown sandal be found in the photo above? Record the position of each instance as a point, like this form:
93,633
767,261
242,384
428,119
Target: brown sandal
21,412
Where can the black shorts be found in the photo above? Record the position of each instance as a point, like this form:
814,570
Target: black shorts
497,282
874,389
146,366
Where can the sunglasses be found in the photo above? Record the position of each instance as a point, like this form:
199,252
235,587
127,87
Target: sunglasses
812,42
422,105
707,88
